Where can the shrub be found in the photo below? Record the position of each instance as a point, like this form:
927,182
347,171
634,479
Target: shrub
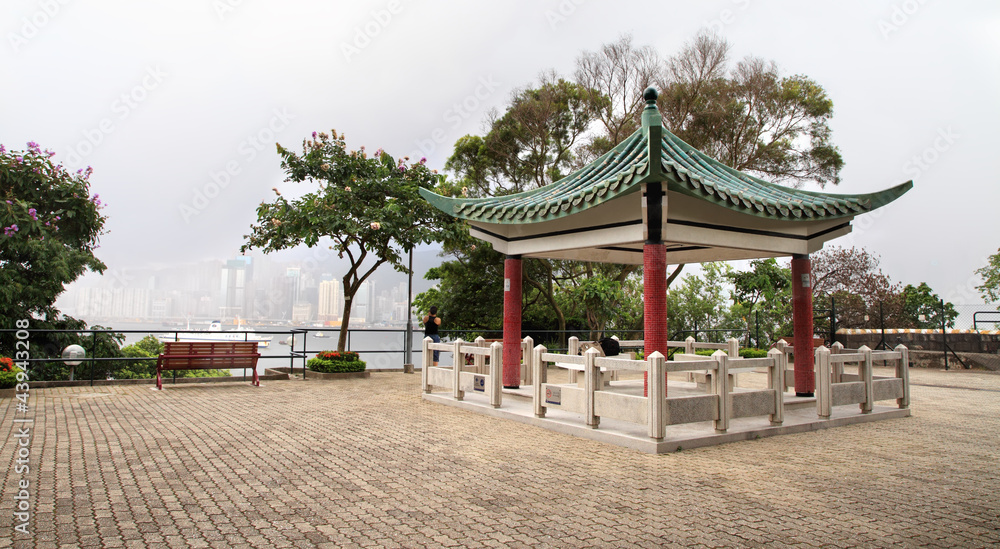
333,362
8,373
744,353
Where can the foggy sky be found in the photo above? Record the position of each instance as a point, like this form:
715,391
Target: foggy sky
177,104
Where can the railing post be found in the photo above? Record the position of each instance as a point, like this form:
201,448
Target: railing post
782,346
426,359
823,396
778,366
837,370
574,349
689,350
865,372
479,360
903,372
657,368
456,369
527,344
722,390
496,374
591,384
734,347
541,377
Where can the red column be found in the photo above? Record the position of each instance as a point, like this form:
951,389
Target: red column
512,322
654,291
802,320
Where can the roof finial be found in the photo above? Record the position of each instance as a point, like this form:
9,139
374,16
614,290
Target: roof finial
650,96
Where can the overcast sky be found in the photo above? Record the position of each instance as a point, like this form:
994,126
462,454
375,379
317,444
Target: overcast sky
177,103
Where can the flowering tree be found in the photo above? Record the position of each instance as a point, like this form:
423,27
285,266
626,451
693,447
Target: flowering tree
368,207
51,227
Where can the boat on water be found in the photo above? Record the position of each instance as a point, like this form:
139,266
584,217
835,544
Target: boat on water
319,334
215,333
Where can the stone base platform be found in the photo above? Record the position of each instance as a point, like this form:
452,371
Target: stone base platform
800,416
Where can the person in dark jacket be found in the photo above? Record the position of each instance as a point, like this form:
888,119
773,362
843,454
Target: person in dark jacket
431,324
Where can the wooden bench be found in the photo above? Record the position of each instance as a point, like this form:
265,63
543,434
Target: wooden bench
207,355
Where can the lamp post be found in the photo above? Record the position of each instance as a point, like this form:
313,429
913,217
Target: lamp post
72,356
408,337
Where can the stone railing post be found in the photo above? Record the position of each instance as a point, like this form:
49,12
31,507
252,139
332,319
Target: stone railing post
574,349
657,368
721,382
777,371
541,377
903,372
824,403
496,374
592,384
527,344
782,346
865,373
479,360
426,360
734,347
837,370
458,359
689,345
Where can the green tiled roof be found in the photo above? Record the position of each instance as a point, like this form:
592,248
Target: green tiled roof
685,169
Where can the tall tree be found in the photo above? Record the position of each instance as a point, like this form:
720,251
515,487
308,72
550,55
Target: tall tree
990,289
368,207
853,278
618,71
532,144
762,296
750,117
922,308
701,302
51,229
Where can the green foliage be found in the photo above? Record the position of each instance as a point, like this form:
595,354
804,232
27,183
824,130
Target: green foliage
744,353
990,289
921,300
532,144
51,227
333,362
465,300
700,302
368,207
136,369
763,299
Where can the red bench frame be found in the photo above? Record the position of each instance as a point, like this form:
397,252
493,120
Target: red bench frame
207,355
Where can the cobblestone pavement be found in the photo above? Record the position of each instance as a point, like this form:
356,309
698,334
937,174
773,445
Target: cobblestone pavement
367,463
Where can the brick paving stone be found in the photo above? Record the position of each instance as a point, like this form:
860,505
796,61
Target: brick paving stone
367,463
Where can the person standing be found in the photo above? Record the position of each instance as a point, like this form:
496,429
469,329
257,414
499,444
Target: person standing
431,323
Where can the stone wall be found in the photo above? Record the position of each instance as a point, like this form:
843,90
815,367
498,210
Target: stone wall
963,341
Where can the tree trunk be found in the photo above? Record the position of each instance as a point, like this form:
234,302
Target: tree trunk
345,320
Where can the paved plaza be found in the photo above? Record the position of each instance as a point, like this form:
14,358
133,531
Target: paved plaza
367,463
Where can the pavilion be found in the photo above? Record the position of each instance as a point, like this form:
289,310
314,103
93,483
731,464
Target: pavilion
684,208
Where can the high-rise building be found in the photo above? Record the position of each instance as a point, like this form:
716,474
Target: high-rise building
331,300
237,288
